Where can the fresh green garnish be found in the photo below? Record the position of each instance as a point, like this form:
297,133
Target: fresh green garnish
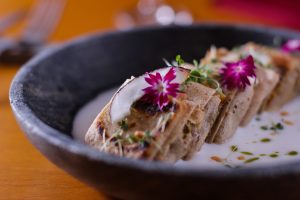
274,155
247,153
262,154
264,128
123,125
277,126
292,153
179,60
234,148
265,140
274,127
203,75
251,160
196,63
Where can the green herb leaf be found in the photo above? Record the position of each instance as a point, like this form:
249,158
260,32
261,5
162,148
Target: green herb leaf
265,140
277,126
203,76
251,160
123,125
247,153
234,148
264,128
273,155
195,73
196,63
179,60
292,153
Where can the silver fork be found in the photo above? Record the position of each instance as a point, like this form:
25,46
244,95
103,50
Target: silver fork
41,23
10,19
6,22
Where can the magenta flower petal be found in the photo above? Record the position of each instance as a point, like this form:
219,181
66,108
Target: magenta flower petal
292,45
150,81
161,88
149,90
152,76
170,76
237,74
158,77
162,100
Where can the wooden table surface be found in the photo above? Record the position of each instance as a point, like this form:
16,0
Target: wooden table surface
24,172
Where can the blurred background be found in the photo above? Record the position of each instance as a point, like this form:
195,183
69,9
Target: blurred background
28,26
84,16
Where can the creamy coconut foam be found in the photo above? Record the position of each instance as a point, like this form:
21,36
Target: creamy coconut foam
271,138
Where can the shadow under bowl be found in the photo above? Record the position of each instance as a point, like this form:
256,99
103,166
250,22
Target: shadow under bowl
48,91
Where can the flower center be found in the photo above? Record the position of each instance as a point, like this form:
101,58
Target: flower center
160,87
238,69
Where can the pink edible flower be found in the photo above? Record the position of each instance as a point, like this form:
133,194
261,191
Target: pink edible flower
292,45
161,88
237,74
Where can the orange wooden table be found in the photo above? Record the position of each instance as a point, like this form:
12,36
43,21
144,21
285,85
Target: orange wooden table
24,172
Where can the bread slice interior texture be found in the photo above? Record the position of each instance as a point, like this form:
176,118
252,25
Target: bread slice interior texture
142,134
193,134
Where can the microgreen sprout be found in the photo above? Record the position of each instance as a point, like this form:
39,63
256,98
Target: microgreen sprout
179,60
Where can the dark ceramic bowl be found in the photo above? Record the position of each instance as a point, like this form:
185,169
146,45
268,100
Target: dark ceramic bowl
49,90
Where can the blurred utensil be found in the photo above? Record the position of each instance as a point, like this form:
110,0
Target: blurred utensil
6,22
41,23
10,19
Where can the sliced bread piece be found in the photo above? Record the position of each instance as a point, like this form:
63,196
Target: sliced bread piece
142,134
232,110
286,66
266,81
193,137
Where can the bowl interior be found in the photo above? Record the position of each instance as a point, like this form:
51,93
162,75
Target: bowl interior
49,90
60,84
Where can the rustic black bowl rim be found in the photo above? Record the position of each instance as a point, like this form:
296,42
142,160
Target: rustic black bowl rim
29,121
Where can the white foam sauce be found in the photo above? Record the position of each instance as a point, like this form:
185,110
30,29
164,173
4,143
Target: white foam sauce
247,139
133,91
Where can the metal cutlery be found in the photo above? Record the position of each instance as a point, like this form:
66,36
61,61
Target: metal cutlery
10,19
42,21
